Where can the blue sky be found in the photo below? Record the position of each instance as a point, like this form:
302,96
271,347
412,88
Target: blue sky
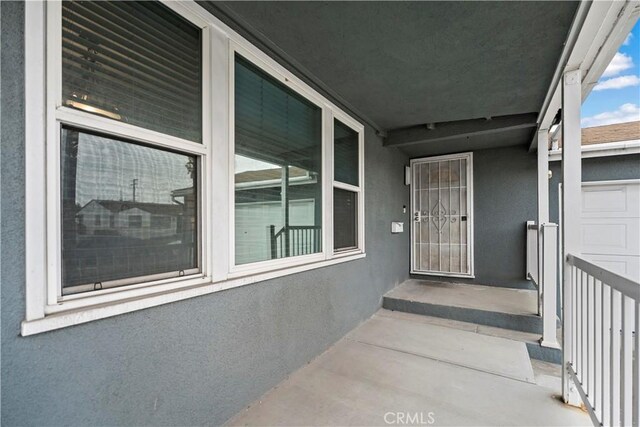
616,98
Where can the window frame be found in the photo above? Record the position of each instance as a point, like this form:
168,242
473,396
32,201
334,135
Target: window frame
358,190
236,270
59,116
46,308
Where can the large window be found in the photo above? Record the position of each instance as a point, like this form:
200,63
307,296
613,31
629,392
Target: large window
129,126
278,169
346,164
168,158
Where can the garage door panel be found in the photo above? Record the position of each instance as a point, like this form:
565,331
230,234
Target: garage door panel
619,236
610,228
610,201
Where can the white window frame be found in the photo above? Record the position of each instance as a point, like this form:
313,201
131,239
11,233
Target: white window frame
358,190
46,308
237,270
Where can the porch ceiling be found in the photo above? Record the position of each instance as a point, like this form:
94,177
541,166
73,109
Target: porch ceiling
406,64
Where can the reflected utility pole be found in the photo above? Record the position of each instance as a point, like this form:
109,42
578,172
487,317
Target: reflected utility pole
134,184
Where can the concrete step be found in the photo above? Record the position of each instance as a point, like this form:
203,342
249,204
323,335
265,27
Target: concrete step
504,312
531,340
505,308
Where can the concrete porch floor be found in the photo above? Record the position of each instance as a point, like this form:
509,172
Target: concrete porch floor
395,363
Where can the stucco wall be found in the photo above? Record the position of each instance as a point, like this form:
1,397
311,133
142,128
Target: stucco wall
505,197
197,361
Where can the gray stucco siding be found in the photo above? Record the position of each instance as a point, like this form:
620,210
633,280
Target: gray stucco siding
196,361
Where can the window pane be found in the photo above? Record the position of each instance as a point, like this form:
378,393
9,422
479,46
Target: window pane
134,61
345,222
128,211
345,153
278,161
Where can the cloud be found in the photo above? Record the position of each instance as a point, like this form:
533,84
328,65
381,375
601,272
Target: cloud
624,113
618,82
619,63
627,40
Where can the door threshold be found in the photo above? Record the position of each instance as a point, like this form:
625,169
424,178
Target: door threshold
438,274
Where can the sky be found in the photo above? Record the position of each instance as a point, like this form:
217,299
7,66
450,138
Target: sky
616,97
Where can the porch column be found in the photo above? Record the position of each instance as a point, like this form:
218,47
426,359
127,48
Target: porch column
571,212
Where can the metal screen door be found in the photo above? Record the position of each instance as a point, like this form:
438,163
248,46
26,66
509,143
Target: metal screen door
442,228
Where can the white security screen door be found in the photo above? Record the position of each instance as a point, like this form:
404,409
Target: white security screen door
442,227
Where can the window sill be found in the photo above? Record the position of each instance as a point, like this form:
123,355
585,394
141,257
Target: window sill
203,286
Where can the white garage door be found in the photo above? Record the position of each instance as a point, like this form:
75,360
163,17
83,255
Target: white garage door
611,225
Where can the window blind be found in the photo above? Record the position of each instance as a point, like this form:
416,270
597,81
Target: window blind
134,61
345,154
273,123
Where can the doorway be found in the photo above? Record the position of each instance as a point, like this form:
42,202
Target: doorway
442,225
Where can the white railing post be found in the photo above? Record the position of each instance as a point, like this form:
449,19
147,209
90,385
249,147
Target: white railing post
543,202
549,260
571,213
532,255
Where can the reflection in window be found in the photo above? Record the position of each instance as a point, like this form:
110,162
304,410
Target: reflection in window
278,161
130,185
135,221
345,223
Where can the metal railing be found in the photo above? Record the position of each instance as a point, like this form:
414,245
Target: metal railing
294,240
601,323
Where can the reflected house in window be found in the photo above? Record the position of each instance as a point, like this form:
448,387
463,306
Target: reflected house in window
260,215
110,234
130,219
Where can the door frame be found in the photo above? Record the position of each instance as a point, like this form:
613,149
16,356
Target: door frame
468,156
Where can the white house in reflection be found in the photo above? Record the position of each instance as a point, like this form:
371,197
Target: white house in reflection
138,220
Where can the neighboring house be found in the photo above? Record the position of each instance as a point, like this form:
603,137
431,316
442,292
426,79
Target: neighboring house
130,219
259,205
325,161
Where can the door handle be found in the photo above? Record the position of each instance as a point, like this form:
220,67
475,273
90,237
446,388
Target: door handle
463,218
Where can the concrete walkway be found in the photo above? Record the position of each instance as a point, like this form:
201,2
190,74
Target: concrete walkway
395,369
